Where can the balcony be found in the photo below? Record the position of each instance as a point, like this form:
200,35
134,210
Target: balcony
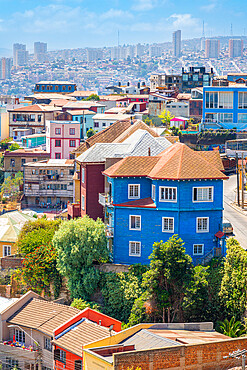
105,199
109,231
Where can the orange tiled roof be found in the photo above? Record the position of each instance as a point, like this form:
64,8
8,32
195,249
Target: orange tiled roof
178,162
34,108
214,158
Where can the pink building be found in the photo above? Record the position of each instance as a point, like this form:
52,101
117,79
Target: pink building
62,137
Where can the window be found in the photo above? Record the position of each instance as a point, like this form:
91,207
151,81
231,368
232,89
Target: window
71,172
58,155
64,88
56,87
103,124
47,344
202,224
226,117
198,249
96,124
226,100
58,131
168,194
6,250
168,224
135,249
134,191
153,192
72,131
242,117
19,336
58,143
23,161
78,364
211,99
34,159
82,174
134,222
242,100
72,143
83,202
11,363
60,355
12,162
203,194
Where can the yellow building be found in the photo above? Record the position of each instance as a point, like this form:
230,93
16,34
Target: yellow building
11,224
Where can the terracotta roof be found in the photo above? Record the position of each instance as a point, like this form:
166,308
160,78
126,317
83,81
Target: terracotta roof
84,333
143,203
132,166
214,158
178,162
58,102
136,126
42,315
108,135
82,93
35,108
172,139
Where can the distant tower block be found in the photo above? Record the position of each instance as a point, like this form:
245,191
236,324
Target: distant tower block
176,40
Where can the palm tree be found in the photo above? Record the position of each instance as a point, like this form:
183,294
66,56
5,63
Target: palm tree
232,328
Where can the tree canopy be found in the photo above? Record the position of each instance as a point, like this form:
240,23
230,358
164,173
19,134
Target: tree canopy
80,244
166,117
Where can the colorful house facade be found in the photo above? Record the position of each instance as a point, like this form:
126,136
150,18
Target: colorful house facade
225,107
150,199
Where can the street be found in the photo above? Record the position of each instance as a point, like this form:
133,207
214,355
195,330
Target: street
237,219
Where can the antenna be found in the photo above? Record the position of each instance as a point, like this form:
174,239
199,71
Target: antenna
203,31
231,29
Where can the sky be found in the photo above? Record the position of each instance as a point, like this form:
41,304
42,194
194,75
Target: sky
66,24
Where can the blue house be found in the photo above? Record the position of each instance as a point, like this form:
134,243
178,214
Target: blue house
225,107
180,191
60,87
85,117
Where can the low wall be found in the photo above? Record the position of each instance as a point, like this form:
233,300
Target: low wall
11,262
184,357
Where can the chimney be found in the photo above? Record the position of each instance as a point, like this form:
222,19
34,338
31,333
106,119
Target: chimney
131,120
149,152
138,85
128,83
119,83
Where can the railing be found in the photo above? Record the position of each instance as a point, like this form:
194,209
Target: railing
109,231
215,252
105,199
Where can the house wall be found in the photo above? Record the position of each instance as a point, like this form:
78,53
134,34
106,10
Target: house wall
86,122
187,357
184,211
90,189
36,126
29,157
70,360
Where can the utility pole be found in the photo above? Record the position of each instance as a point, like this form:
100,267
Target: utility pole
238,200
242,169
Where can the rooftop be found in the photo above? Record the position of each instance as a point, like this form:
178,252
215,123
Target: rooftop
11,224
52,163
36,108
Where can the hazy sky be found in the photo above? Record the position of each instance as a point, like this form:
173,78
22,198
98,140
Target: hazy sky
81,23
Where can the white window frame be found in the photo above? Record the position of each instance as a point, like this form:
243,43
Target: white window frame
134,254
133,197
167,231
202,231
83,202
20,336
167,200
83,175
198,254
153,192
135,228
8,250
203,187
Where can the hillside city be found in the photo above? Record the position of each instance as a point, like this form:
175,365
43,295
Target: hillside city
123,206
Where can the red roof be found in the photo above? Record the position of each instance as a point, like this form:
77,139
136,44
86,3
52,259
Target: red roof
143,203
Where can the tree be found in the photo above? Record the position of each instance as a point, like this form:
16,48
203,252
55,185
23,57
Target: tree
13,146
91,132
175,131
233,291
170,273
39,270
81,304
166,117
35,234
11,186
94,97
232,328
80,244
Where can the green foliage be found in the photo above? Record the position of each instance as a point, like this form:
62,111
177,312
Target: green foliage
170,273
39,269
175,131
13,146
233,286
81,304
232,328
91,132
166,117
11,186
80,244
139,312
93,97
119,291
36,233
4,143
